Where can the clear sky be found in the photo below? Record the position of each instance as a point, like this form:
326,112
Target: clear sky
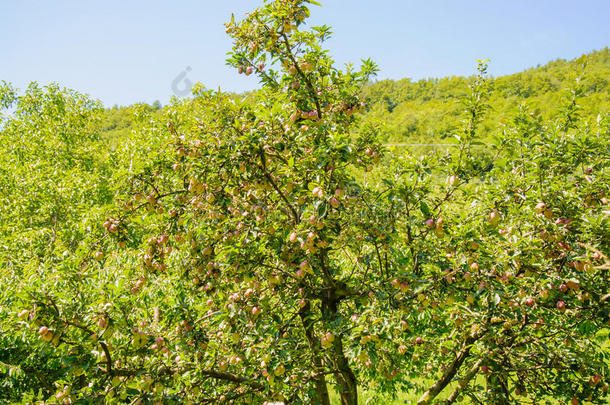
126,51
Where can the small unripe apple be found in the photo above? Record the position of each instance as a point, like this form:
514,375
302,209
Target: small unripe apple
249,70
279,370
23,314
430,223
493,217
99,255
540,207
561,306
530,302
419,340
306,67
43,330
578,265
313,219
334,202
256,311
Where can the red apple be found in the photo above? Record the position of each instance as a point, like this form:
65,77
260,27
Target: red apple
595,380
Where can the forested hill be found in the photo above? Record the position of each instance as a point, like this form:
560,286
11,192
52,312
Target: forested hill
430,109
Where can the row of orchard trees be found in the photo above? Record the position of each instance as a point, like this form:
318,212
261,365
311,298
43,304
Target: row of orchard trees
244,260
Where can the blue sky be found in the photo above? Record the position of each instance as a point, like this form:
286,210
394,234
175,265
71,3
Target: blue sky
126,51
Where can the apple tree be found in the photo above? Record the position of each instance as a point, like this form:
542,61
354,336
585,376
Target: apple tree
248,259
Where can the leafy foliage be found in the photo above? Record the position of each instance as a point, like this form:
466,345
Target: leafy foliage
229,249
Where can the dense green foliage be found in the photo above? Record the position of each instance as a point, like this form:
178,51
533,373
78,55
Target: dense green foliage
269,247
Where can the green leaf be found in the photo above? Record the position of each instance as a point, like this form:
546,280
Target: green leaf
424,208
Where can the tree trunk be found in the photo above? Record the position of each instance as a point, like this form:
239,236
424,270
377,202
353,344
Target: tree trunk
320,380
451,371
463,383
348,386
346,379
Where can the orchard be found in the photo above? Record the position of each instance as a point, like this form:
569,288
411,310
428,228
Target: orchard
271,248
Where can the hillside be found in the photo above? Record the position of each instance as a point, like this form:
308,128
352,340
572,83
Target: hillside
430,109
